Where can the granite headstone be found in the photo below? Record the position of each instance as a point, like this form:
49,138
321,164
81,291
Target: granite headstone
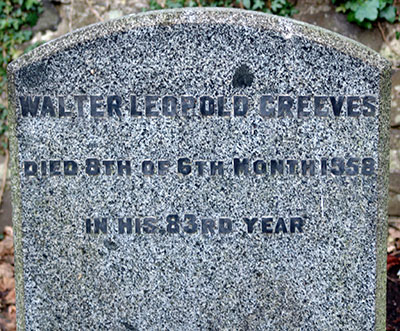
200,169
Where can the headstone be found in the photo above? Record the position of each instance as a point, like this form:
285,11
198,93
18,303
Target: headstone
200,169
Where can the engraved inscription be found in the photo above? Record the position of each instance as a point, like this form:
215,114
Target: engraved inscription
335,166
192,224
266,106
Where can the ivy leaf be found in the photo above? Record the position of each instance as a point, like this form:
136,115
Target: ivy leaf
351,5
366,25
29,4
277,4
247,4
32,18
292,12
258,4
351,17
384,3
389,14
367,10
16,24
341,9
171,4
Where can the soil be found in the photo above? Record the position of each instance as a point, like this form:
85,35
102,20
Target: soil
393,294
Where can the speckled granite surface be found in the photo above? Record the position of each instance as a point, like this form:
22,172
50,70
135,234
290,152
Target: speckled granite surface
200,170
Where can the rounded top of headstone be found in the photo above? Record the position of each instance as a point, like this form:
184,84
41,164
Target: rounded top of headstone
286,27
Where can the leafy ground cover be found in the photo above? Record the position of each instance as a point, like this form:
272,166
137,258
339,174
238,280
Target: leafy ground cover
277,7
16,19
366,12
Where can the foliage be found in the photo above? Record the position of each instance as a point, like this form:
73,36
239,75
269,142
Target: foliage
277,7
16,18
366,12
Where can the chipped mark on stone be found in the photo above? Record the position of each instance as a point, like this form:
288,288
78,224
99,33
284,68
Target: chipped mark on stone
110,244
288,31
129,326
243,77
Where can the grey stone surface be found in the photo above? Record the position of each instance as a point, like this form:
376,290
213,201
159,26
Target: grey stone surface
49,18
325,272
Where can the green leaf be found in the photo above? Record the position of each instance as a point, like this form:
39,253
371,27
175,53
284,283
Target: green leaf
389,14
341,9
258,4
384,3
351,17
366,25
397,35
352,5
276,5
32,19
247,4
367,10
153,5
192,3
29,4
174,4
16,24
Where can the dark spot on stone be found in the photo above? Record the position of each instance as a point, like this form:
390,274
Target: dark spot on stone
129,326
33,75
110,244
243,77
